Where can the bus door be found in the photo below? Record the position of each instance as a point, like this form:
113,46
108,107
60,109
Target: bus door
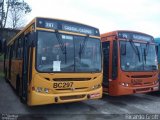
25,68
27,59
106,47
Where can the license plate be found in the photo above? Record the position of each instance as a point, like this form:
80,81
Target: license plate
94,95
63,85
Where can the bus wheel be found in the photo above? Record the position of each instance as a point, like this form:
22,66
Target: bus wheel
22,100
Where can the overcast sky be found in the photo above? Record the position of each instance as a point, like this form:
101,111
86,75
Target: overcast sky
107,15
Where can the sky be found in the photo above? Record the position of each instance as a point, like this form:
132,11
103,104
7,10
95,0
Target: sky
107,15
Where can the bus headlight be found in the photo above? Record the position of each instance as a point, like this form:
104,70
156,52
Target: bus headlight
125,84
96,86
39,89
155,82
46,90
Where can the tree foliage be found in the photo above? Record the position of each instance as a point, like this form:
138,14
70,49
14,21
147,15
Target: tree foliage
11,12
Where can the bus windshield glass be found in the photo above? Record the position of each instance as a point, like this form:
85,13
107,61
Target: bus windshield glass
138,56
58,52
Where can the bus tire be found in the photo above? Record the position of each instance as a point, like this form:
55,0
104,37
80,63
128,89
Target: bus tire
22,100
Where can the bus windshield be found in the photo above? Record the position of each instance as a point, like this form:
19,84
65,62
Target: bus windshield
138,56
58,52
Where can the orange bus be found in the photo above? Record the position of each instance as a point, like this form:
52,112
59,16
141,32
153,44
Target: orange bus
55,61
130,63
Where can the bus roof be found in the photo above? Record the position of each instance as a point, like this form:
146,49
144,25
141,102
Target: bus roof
117,31
130,35
66,21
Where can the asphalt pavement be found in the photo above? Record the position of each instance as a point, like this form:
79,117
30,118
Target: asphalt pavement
143,106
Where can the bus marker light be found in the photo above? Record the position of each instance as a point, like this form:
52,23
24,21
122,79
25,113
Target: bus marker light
33,88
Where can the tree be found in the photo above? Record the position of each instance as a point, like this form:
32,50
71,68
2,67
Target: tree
17,11
1,13
4,7
12,10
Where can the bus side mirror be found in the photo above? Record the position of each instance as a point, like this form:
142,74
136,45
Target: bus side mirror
123,49
32,39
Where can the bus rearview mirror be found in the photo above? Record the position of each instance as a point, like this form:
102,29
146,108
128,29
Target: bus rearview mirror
32,39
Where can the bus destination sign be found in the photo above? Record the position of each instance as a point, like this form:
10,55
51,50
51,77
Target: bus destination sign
67,26
135,36
78,29
47,24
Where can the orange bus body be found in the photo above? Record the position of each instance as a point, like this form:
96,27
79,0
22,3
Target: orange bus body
125,82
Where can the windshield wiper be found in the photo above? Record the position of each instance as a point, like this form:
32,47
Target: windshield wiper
62,45
147,48
146,51
83,45
135,49
154,67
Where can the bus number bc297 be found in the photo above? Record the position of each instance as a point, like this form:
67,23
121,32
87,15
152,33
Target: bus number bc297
63,85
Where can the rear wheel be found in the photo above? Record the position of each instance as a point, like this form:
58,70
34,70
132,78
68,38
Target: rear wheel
22,100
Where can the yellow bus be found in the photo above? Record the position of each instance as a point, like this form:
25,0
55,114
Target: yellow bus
55,61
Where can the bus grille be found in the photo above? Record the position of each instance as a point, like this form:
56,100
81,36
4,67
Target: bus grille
71,79
72,97
140,84
143,89
72,89
141,76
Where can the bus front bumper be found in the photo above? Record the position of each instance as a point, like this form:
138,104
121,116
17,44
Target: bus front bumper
123,90
37,98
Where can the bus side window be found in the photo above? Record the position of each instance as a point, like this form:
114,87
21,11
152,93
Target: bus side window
20,48
13,51
14,55
16,48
